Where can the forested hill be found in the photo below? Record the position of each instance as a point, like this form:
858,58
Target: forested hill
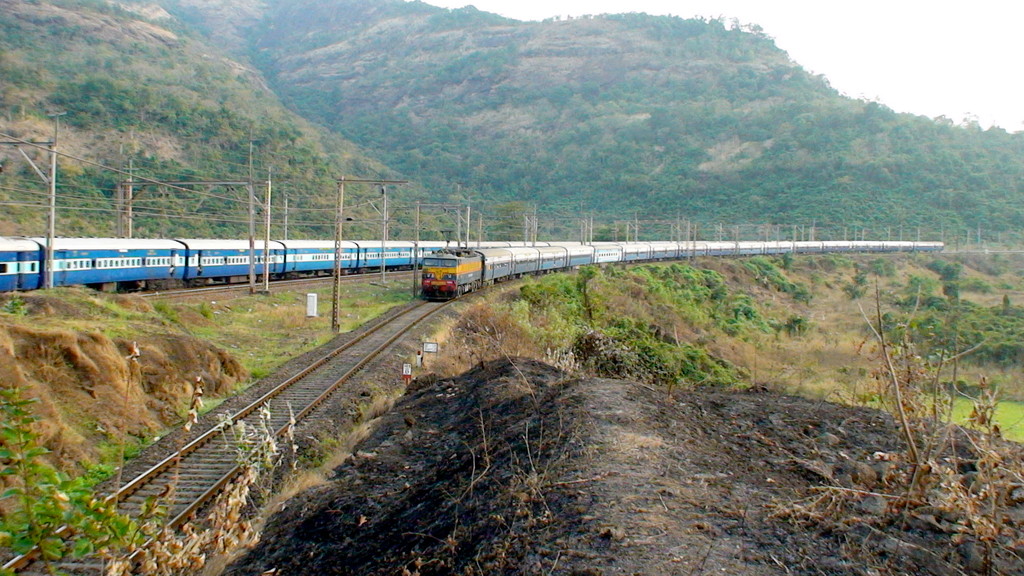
623,113
140,89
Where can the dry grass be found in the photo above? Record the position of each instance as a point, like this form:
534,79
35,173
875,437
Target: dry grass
340,451
69,349
966,480
311,478
453,359
376,408
831,360
483,332
263,332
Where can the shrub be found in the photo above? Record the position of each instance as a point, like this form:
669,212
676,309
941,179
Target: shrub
993,332
854,291
883,267
620,322
632,349
766,273
167,311
918,288
16,306
976,285
947,271
796,326
45,500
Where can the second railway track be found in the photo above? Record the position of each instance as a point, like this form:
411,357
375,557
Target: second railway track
236,290
193,474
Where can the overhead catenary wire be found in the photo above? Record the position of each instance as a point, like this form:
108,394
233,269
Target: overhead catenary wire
139,179
140,209
107,194
20,190
559,212
65,196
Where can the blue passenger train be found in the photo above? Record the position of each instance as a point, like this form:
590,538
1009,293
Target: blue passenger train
141,264
451,273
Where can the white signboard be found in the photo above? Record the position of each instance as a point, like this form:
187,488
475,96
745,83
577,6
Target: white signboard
430,347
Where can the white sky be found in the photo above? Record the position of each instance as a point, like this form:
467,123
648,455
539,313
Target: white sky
954,58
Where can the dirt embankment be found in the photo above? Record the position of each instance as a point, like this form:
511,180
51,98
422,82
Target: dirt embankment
515,469
91,389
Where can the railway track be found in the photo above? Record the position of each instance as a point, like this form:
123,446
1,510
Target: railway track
236,290
195,473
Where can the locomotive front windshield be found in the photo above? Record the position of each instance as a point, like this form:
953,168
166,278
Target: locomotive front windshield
440,263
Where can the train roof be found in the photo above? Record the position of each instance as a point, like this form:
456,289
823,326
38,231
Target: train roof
550,249
579,248
512,251
8,244
112,243
219,244
491,253
316,244
389,244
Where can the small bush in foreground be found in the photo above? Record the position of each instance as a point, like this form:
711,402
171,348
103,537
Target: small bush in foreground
48,511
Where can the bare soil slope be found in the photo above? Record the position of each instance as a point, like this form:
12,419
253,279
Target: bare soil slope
514,469
90,387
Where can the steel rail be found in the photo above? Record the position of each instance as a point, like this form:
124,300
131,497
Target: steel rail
139,481
184,515
176,459
184,293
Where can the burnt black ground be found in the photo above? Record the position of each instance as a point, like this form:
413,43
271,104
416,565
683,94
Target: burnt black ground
514,468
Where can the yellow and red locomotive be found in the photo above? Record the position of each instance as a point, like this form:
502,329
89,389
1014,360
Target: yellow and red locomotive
451,273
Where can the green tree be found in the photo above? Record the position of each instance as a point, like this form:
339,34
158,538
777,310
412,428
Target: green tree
59,516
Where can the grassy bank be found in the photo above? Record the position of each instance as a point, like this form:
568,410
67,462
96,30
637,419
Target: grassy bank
801,325
264,331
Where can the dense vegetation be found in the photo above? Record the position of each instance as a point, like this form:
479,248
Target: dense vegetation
152,95
639,322
946,325
627,114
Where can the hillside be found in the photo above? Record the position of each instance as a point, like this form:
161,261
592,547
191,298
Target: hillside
142,90
662,429
662,444
105,373
624,114
516,468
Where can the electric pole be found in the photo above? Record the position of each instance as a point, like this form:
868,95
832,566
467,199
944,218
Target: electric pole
266,237
384,234
336,291
252,226
286,215
339,218
51,216
416,255
51,180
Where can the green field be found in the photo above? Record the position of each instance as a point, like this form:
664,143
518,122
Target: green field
1009,415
